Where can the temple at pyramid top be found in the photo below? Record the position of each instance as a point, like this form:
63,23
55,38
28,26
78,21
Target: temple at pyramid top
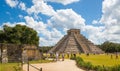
73,31
74,42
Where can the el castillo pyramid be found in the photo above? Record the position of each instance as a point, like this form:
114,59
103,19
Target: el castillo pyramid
74,42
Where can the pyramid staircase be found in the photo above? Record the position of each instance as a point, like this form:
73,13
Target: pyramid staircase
72,45
82,43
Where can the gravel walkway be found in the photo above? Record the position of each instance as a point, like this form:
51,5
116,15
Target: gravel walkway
67,65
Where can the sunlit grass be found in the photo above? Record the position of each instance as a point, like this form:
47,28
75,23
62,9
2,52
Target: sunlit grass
101,60
8,66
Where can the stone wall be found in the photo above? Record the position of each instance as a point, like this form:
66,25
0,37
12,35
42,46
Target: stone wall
13,52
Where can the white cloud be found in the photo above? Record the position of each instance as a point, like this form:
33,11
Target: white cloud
64,2
95,22
110,19
48,37
55,33
41,7
12,3
22,6
37,25
66,18
95,34
111,12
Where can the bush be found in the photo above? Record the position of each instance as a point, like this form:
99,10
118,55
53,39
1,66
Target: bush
115,68
81,63
88,65
79,59
73,58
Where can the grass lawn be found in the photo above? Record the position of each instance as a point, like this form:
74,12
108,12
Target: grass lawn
8,66
102,59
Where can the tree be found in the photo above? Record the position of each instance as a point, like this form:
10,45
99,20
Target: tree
110,47
45,49
20,34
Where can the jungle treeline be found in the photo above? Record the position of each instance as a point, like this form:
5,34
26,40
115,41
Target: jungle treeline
110,47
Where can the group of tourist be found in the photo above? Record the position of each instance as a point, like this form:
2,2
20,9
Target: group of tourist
63,56
60,56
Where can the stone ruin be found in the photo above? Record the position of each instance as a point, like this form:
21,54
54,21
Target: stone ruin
15,53
74,42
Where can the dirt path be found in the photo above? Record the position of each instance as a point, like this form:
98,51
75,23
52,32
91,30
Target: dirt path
67,65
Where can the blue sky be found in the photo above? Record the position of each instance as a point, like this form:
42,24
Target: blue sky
97,19
90,10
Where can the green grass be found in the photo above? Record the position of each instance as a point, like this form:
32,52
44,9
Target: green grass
12,66
8,66
101,59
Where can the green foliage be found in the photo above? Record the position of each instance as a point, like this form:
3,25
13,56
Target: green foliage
115,68
81,63
19,35
45,49
110,47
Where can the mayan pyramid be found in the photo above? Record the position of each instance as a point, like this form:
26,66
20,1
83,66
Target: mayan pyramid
74,42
